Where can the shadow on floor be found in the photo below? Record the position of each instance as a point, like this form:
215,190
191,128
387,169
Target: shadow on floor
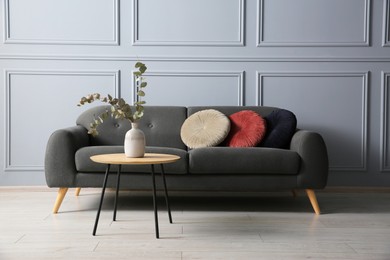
330,203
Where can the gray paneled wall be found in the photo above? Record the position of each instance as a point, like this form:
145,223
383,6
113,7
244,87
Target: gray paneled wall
326,60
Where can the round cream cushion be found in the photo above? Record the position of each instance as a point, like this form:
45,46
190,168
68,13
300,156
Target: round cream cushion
205,128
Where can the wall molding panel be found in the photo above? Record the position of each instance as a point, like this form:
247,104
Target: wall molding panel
385,113
359,162
62,23
13,80
305,28
386,24
236,78
180,29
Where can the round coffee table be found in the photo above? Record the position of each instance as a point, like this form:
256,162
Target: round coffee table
120,159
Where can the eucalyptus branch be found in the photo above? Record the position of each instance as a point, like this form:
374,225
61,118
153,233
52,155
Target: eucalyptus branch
119,108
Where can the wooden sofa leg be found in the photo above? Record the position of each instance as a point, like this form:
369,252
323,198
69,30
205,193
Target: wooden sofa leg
60,198
77,193
313,201
294,193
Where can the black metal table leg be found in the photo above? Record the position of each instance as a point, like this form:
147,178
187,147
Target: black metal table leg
101,199
117,191
166,193
155,202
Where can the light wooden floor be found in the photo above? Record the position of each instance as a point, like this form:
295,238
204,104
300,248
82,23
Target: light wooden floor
249,226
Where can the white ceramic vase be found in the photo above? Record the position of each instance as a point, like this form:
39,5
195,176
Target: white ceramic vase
135,142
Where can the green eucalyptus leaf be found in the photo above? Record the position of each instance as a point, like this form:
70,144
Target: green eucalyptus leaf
121,102
139,64
126,108
142,69
138,114
140,108
93,132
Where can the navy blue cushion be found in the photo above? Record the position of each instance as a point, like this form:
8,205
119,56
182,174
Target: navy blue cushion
281,126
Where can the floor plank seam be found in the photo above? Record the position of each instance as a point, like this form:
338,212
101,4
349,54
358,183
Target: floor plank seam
47,217
353,249
261,238
20,238
97,244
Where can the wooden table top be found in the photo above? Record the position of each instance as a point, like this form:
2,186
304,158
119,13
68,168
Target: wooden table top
149,158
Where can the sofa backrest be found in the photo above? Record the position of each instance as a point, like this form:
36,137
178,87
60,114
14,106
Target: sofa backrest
228,110
160,124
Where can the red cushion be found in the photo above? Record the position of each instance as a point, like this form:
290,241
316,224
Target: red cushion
247,129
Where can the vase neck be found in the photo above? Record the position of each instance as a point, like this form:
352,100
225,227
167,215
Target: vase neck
134,125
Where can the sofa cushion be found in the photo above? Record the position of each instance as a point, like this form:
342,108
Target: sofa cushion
205,128
250,160
247,129
84,163
281,126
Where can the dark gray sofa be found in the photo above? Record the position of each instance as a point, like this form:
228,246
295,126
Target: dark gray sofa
304,166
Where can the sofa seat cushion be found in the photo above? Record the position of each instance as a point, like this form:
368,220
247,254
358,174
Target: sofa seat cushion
85,165
251,160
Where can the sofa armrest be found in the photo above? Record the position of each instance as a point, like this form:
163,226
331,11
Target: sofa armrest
314,167
60,167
